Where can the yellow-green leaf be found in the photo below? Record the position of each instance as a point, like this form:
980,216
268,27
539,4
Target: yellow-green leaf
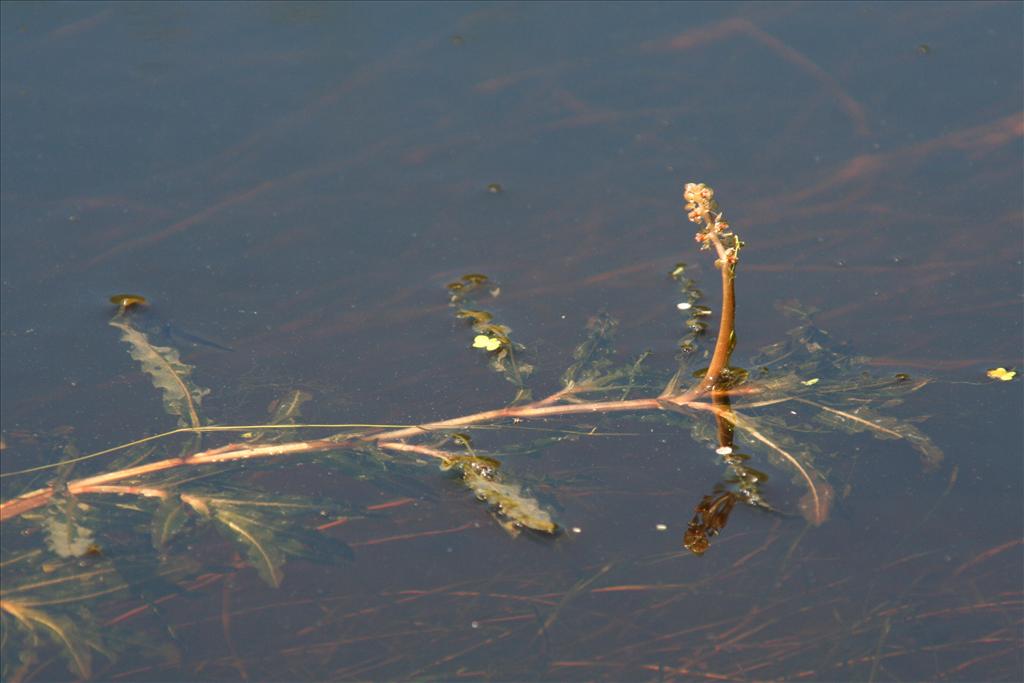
1001,374
482,341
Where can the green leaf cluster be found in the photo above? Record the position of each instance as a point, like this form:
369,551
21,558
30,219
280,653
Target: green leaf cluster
512,506
493,338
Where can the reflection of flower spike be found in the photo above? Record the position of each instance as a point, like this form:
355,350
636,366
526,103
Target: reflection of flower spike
710,516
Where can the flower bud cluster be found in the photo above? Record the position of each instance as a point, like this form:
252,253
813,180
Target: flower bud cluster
700,201
702,208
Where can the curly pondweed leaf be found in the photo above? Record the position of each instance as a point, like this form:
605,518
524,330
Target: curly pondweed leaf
808,370
592,358
63,631
817,502
593,373
261,547
689,306
170,519
168,373
512,506
266,528
694,326
862,418
50,604
66,533
490,337
47,604
285,410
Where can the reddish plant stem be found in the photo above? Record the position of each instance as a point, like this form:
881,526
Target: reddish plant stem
96,484
232,452
546,407
727,320
531,410
726,331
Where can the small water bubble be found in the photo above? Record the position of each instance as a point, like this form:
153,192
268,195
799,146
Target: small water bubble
474,624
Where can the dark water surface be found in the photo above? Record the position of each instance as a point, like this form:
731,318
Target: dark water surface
298,182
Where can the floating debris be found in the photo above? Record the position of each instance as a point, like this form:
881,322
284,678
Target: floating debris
482,341
1001,374
126,301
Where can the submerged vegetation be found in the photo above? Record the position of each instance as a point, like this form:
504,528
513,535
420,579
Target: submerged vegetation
123,530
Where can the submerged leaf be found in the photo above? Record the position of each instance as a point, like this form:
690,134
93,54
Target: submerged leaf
65,535
60,629
841,388
481,475
490,336
266,527
259,544
817,503
288,408
169,519
283,411
168,374
592,356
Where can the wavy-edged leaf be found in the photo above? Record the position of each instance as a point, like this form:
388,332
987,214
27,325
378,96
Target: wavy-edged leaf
265,526
168,373
59,628
694,327
807,368
817,502
50,601
592,358
863,418
513,507
285,410
260,545
66,533
490,337
170,518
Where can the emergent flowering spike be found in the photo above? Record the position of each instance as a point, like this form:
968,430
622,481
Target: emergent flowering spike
702,209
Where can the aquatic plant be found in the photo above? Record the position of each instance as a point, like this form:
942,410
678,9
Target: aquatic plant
122,530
